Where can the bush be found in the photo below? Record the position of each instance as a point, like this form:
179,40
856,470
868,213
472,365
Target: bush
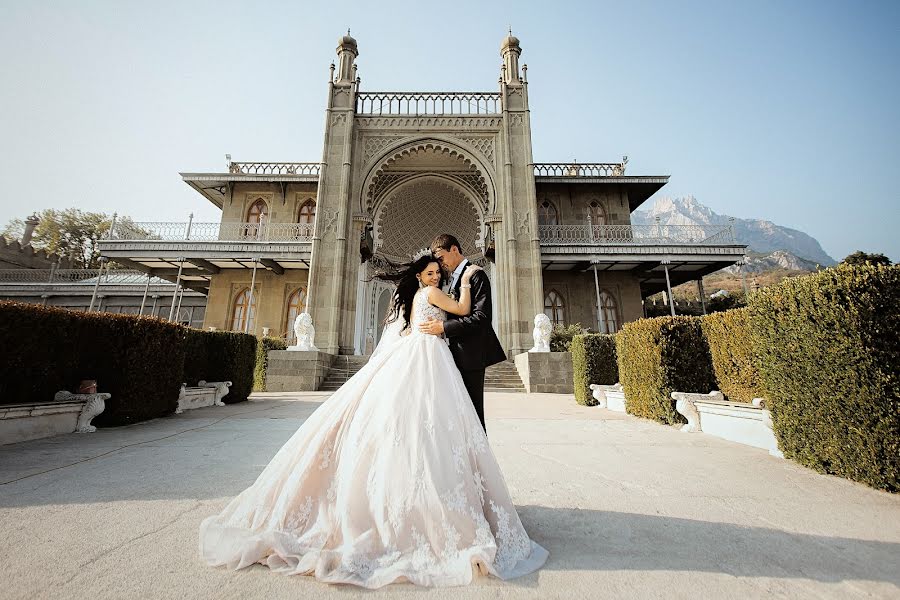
829,358
262,360
593,361
136,359
730,343
659,356
561,336
221,356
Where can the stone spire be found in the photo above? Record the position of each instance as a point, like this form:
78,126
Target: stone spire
347,53
510,52
30,223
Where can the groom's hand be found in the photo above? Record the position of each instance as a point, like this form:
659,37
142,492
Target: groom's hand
432,327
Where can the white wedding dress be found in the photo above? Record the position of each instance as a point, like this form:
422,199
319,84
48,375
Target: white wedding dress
390,479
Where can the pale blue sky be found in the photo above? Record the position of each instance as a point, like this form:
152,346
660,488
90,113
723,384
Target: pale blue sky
785,111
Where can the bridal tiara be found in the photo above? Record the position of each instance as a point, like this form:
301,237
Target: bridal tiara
421,253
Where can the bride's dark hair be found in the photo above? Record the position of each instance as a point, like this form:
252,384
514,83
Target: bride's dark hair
404,276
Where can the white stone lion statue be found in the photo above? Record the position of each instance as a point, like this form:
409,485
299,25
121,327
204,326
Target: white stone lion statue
305,332
541,334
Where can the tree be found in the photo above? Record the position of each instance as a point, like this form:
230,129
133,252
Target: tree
864,258
71,234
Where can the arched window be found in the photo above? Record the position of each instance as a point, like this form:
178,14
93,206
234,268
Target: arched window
547,214
243,311
554,308
597,214
294,307
257,214
307,214
609,319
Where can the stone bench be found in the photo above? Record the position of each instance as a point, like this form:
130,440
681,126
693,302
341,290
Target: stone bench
67,413
205,393
610,397
749,424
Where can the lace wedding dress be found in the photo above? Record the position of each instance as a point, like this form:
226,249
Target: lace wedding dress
390,479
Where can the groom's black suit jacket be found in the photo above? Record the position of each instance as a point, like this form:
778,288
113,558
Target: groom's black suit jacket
473,343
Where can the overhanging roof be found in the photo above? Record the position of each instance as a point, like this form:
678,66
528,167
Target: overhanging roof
216,187
639,188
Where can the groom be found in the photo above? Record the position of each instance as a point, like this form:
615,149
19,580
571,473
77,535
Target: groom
473,343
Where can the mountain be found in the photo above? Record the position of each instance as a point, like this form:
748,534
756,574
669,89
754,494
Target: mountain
763,237
778,260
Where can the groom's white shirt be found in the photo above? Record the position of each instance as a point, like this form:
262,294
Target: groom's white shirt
457,273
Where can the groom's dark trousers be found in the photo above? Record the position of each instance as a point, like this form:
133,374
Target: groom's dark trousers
473,343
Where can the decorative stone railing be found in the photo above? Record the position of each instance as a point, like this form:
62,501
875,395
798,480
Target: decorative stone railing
428,103
67,413
580,169
203,394
210,232
749,424
639,235
274,168
120,276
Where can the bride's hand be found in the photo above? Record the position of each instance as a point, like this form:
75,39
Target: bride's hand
469,272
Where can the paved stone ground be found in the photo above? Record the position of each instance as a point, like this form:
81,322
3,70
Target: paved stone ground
626,507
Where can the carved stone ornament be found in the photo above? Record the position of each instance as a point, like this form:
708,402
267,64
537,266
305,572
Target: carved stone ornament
541,333
94,405
684,404
305,332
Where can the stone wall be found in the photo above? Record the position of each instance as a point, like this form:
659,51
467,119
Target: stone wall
579,294
293,371
270,297
546,372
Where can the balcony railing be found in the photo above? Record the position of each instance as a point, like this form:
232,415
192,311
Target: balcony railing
639,235
580,169
276,168
119,276
214,232
424,103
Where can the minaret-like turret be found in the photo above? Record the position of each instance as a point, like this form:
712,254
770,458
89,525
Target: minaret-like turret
347,53
510,52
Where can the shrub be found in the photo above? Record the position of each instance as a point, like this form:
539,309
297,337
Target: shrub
263,346
593,361
829,358
561,336
659,356
731,348
221,356
136,359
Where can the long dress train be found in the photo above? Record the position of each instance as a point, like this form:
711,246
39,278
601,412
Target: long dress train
391,478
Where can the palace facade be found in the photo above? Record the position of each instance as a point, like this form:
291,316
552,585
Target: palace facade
397,168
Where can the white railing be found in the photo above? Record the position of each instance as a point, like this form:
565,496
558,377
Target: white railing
428,103
640,235
214,232
121,276
275,168
574,169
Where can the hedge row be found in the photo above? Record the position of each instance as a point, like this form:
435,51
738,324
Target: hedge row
730,341
593,361
140,361
262,360
827,347
659,356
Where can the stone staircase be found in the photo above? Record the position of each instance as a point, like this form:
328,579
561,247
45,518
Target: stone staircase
342,369
503,377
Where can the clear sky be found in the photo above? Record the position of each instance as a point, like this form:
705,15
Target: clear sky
786,111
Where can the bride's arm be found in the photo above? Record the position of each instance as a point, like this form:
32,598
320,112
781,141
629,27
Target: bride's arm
461,308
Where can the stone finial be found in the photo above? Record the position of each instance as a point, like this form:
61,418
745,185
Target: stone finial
305,332
94,405
541,334
30,223
510,52
347,52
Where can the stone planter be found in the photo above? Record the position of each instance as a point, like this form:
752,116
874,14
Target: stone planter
748,424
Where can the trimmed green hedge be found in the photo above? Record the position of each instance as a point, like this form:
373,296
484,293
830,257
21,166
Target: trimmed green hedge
731,347
221,356
659,356
593,361
829,358
262,360
561,336
136,359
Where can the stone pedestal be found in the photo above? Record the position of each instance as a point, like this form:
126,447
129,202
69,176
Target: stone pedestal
296,371
546,372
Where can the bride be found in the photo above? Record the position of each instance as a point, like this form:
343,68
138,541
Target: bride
390,479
